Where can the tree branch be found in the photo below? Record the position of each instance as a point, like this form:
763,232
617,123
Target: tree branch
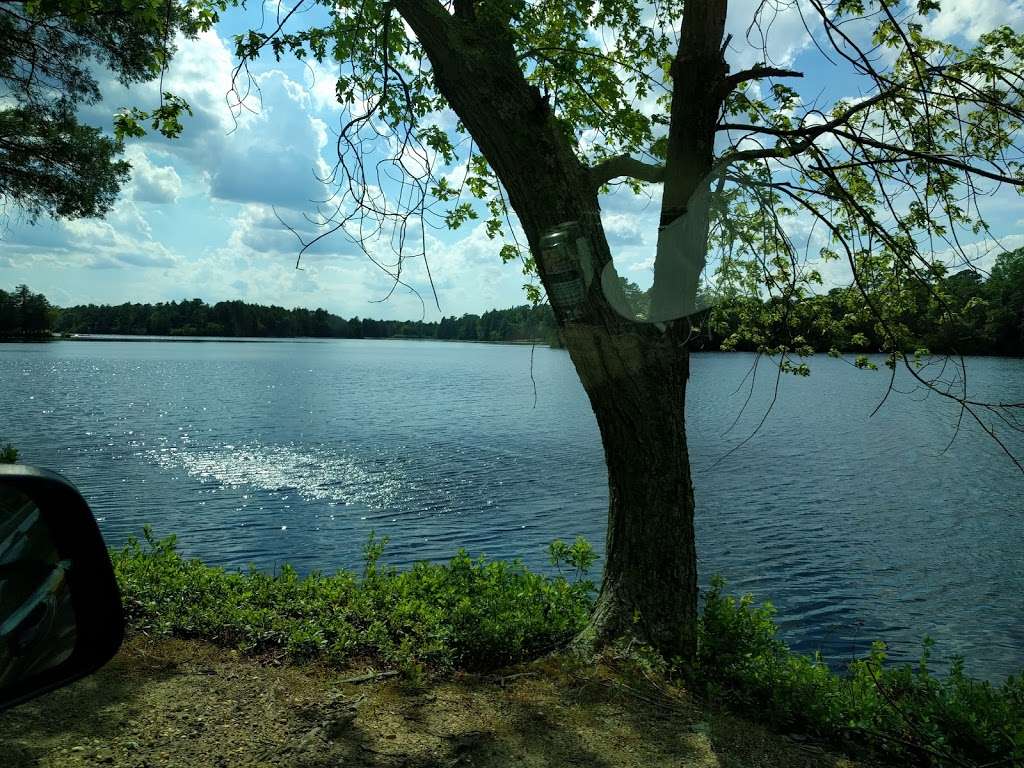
428,19
807,133
755,73
624,165
930,157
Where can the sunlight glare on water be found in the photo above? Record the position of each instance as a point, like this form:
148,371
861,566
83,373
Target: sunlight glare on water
314,474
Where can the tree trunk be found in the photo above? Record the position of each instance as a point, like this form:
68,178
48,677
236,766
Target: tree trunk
636,384
634,373
698,75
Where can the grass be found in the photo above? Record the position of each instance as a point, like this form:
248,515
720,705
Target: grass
470,614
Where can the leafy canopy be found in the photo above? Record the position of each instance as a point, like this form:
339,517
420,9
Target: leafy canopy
50,163
886,179
889,166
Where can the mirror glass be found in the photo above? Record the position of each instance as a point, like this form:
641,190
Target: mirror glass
37,618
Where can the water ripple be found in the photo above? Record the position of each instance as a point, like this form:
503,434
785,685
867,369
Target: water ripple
857,528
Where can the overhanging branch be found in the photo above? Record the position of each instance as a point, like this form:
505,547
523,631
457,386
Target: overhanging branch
624,165
755,73
806,134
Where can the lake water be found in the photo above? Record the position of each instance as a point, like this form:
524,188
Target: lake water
856,527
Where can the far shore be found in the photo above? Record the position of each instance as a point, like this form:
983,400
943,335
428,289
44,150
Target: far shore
318,339
249,339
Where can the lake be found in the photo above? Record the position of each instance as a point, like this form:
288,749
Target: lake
857,527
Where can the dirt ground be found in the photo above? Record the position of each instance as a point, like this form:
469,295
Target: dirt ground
186,704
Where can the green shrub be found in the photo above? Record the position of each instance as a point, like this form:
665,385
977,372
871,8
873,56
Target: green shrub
468,612
906,710
8,454
580,555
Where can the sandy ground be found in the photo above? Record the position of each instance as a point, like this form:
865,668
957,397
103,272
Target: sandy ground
187,704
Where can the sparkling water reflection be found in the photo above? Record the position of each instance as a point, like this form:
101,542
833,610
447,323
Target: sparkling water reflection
855,527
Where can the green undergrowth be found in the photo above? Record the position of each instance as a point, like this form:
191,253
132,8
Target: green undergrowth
467,613
473,614
907,711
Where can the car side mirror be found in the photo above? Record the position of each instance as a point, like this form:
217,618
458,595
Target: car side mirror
60,608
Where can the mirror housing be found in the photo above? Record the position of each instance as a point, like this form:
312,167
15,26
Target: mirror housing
60,608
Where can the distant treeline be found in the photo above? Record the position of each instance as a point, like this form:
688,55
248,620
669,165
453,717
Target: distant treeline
240,319
963,313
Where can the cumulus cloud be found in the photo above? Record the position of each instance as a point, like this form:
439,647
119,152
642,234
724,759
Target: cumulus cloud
321,80
274,157
623,229
266,151
981,254
200,72
971,18
772,32
123,239
259,229
151,183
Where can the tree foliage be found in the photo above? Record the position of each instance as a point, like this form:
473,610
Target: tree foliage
51,54
240,319
888,179
24,314
913,716
986,318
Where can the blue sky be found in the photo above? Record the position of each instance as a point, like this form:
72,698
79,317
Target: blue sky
197,219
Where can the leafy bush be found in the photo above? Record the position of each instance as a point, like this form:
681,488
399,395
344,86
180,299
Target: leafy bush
908,711
8,454
468,612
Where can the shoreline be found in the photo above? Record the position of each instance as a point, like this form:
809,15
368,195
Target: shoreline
255,339
317,339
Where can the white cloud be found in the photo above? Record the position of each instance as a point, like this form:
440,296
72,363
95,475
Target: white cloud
152,183
321,82
258,229
765,31
980,255
623,229
257,143
123,239
971,18
200,72
274,156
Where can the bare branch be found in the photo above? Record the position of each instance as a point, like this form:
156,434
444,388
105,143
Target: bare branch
755,73
936,158
624,165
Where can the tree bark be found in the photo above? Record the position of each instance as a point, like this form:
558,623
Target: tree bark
699,75
633,373
636,384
